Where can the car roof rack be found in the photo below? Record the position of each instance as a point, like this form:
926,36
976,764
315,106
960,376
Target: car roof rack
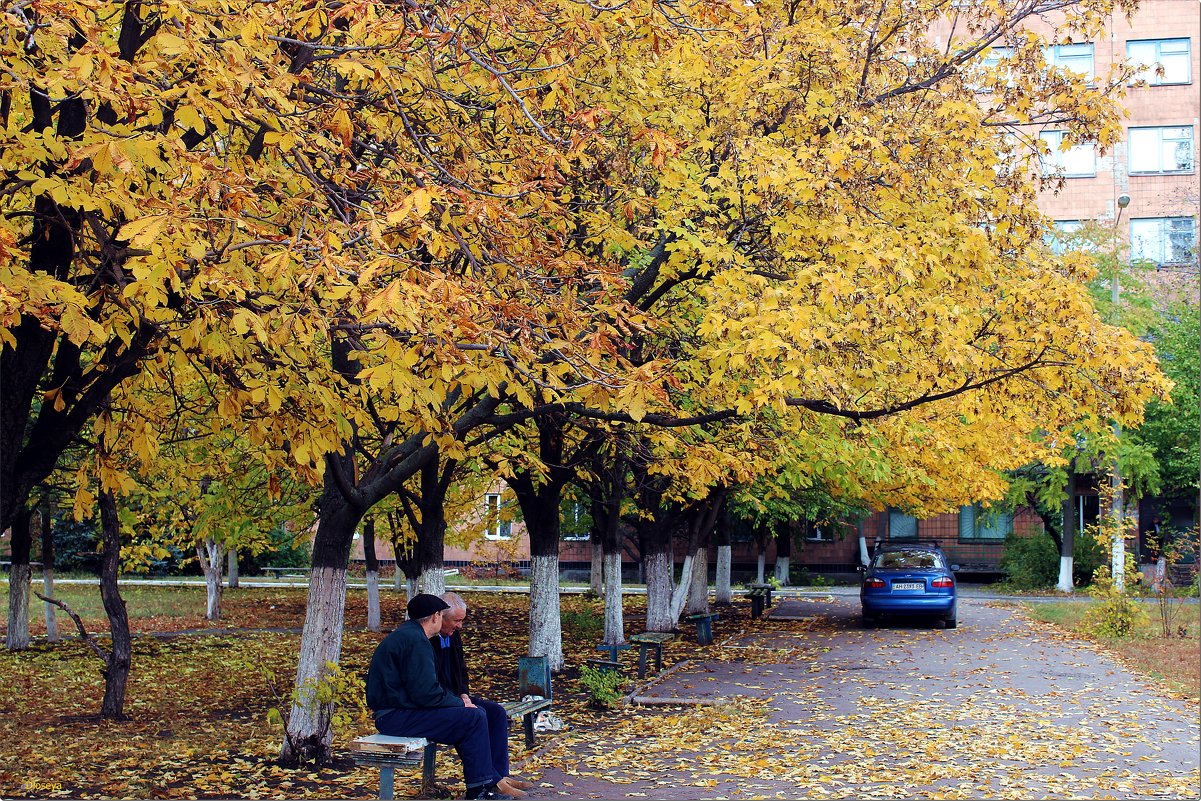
901,543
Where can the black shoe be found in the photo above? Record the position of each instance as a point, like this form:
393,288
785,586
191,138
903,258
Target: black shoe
489,793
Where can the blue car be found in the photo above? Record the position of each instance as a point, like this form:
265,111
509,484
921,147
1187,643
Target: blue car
908,579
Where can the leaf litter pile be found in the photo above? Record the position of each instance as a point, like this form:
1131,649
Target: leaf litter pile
797,721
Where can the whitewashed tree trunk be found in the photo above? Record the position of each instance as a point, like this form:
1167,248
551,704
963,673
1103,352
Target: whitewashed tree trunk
432,581
546,626
725,561
679,596
1065,574
410,591
211,556
18,607
658,592
320,643
231,572
864,558
782,570
698,589
1118,561
373,600
596,581
614,616
50,609
761,567
398,578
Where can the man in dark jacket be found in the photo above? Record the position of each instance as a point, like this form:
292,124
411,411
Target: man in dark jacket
407,701
452,675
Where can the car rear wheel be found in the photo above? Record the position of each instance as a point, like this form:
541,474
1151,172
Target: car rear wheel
869,622
950,622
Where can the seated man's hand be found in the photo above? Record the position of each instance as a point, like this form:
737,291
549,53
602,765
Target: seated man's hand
467,701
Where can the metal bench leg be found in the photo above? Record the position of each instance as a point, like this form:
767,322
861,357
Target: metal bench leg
527,723
659,657
387,776
642,660
428,772
756,606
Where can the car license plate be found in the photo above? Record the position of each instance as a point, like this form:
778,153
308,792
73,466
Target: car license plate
908,585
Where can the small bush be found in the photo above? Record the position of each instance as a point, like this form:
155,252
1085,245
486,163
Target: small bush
1030,563
586,623
1117,614
604,687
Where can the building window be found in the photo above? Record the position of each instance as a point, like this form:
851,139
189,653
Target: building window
1161,62
575,522
821,532
976,523
1167,149
991,63
1163,240
1074,161
1062,237
494,527
1075,57
901,526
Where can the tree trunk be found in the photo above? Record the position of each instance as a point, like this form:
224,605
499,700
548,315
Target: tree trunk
308,733
372,567
211,557
760,566
724,595
679,595
48,569
116,672
596,576
18,582
725,561
659,583
232,571
540,507
1068,537
614,614
698,591
783,553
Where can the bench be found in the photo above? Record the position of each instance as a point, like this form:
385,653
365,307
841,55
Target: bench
759,596
603,664
388,753
704,626
645,642
766,589
613,650
285,572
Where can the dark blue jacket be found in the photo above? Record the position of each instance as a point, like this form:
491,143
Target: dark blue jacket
402,673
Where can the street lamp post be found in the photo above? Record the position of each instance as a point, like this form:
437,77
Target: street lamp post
1118,562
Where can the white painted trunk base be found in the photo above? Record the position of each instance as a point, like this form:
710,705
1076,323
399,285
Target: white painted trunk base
679,595
546,624
231,570
658,592
761,568
432,582
1065,574
782,570
614,617
320,642
211,556
725,561
373,600
50,609
698,584
18,608
864,558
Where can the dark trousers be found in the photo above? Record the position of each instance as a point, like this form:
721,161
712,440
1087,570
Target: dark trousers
498,735
466,729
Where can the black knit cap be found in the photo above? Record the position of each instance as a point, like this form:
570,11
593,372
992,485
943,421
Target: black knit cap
424,605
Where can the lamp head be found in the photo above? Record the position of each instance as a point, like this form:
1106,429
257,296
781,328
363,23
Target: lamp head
1123,200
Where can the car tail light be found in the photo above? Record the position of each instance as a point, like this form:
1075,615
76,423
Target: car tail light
942,583
874,583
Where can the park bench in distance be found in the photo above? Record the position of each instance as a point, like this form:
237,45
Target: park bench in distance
388,753
760,595
704,626
645,642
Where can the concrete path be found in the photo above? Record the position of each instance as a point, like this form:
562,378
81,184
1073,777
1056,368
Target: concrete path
816,707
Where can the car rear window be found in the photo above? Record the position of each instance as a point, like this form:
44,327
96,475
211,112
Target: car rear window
908,560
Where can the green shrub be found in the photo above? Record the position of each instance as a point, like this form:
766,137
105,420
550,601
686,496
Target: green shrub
1117,614
587,624
604,687
1030,563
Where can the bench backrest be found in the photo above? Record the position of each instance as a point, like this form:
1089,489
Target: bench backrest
533,676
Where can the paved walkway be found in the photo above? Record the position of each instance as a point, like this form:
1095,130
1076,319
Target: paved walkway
817,707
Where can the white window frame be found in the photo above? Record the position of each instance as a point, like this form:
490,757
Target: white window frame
1068,163
494,527
1157,140
1071,57
1149,70
1151,239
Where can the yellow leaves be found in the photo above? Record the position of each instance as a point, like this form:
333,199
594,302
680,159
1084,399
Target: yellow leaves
418,201
341,126
141,232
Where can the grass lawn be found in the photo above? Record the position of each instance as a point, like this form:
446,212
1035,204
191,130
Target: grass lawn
1173,661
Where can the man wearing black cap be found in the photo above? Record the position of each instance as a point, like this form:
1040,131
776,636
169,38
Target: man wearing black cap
407,701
